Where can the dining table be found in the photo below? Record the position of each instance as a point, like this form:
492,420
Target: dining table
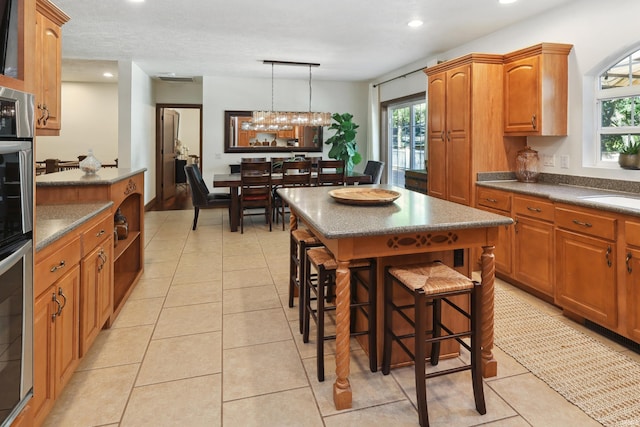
233,182
409,224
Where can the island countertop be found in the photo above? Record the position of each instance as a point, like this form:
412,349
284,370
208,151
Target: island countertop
54,221
411,212
105,176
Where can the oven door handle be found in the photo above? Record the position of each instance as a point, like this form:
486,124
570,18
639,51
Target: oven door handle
12,259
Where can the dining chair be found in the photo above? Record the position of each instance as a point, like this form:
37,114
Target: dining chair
255,189
253,159
374,169
200,195
294,174
331,172
276,163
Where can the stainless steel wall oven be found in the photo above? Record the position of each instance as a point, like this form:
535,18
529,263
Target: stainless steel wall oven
16,252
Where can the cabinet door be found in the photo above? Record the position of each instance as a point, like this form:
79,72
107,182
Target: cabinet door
458,152
43,354
48,53
67,341
105,282
89,296
632,269
502,251
533,249
522,95
436,135
586,277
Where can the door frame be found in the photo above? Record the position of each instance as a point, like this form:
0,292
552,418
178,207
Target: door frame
159,169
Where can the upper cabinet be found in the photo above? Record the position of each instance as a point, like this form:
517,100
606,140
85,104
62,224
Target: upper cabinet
535,90
47,79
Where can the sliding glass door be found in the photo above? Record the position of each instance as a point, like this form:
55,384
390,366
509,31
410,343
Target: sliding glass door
406,137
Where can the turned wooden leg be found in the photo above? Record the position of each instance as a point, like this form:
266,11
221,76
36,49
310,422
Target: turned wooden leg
342,388
489,363
293,221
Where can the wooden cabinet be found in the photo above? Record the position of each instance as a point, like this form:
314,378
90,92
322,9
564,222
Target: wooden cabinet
23,78
245,136
586,258
632,278
463,137
48,54
535,90
499,202
96,294
56,318
533,243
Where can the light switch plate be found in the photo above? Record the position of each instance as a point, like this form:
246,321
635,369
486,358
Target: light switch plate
564,161
549,160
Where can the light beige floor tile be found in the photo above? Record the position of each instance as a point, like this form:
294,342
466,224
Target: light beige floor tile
182,357
241,262
295,408
242,248
397,414
539,404
120,346
516,421
206,273
157,245
193,402
260,369
168,256
94,397
249,299
246,278
190,319
194,293
292,313
255,327
151,288
139,312
197,259
159,269
281,280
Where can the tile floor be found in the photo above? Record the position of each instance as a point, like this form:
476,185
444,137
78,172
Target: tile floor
207,339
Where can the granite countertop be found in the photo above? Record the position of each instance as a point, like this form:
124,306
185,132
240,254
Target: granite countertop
104,176
572,194
411,212
54,221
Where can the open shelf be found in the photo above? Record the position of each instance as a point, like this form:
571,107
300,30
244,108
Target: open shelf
124,244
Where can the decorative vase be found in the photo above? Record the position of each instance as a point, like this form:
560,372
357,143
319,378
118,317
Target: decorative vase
527,165
120,224
90,165
629,161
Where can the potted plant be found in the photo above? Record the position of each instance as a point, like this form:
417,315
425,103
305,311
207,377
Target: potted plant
629,157
344,140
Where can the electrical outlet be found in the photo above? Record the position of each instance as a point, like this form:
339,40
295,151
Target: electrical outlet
218,156
564,161
549,160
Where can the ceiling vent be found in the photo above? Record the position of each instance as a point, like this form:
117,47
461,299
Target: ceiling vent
176,79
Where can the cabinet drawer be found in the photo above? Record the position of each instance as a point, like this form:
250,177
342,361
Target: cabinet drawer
495,199
585,222
632,232
96,234
54,266
533,207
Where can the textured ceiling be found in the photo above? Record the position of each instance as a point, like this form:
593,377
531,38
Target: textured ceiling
353,40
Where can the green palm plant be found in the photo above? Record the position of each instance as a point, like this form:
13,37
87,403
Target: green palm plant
343,142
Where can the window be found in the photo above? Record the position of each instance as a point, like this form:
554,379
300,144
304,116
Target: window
618,104
406,138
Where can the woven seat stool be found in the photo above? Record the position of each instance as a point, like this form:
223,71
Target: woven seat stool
431,284
300,240
323,285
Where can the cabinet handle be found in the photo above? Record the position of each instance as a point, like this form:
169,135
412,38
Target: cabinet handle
57,313
627,261
45,115
103,259
442,135
100,233
449,135
534,209
515,225
57,267
65,299
608,256
534,122
584,224
41,115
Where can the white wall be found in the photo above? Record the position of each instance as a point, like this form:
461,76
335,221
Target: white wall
226,93
189,129
89,120
599,37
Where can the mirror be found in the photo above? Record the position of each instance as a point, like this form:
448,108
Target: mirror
237,140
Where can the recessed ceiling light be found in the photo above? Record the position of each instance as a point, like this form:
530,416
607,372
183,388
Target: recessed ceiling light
507,1
136,1
107,74
415,23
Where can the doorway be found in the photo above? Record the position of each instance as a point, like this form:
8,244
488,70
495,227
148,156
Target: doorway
178,142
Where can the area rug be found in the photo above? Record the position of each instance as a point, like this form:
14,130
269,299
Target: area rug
602,382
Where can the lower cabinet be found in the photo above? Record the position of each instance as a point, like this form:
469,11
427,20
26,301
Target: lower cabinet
56,340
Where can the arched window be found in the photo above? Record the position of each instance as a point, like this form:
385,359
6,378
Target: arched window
618,106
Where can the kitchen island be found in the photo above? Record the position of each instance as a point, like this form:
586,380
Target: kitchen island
413,225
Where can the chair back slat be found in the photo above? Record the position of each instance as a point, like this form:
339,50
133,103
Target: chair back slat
296,173
255,179
331,172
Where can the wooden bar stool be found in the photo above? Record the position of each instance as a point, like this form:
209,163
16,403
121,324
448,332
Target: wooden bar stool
323,287
300,240
431,284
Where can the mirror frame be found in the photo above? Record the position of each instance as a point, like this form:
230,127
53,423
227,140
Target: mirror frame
228,148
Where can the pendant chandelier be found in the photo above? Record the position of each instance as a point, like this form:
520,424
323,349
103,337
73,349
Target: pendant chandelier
284,120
